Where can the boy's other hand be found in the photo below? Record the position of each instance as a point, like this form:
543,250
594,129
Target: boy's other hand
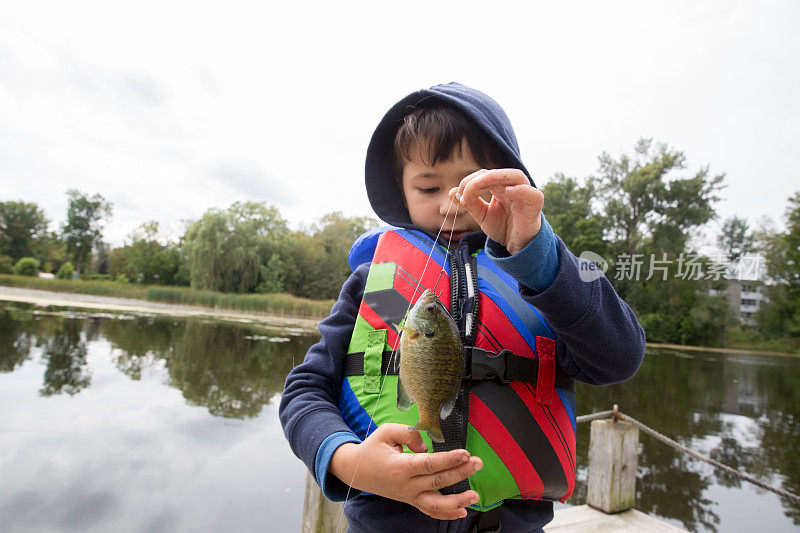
385,470
512,217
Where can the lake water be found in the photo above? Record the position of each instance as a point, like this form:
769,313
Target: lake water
117,422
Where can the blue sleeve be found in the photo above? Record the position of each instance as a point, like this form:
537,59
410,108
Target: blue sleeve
600,340
309,408
333,488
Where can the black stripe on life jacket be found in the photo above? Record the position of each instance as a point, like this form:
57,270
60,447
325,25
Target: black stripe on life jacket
519,421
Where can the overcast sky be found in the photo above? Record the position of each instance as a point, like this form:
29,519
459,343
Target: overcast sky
171,108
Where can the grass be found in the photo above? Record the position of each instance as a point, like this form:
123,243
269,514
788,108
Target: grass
282,304
749,339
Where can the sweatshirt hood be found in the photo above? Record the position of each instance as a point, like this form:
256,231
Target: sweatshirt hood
383,191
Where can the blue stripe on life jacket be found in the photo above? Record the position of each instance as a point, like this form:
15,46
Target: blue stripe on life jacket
363,247
508,289
521,315
353,413
568,399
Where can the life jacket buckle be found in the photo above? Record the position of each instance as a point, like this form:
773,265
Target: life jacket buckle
482,365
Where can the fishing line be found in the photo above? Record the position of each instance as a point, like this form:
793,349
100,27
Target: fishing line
394,348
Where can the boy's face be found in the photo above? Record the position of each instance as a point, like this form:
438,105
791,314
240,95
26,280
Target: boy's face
425,191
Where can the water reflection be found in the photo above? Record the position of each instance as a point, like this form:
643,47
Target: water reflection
65,356
232,370
139,423
742,411
95,370
15,338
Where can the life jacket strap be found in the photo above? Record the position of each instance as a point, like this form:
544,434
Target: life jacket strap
354,364
479,365
506,366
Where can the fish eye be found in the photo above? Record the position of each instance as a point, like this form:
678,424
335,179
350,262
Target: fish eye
430,308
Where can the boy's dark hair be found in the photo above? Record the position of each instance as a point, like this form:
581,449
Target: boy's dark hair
438,129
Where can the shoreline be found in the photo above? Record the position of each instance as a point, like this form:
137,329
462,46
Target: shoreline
113,303
739,351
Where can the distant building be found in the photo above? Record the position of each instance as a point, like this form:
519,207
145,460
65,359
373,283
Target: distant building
745,297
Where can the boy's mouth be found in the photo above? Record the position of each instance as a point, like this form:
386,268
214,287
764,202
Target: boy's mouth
453,236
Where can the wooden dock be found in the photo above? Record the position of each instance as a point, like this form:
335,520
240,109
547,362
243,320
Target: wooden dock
584,519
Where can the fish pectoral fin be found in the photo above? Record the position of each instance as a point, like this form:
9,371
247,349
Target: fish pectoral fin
404,401
411,331
447,408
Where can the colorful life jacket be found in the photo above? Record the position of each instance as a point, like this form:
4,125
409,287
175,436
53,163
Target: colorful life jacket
515,408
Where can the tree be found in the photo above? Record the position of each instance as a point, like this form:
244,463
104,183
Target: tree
569,211
226,249
22,226
638,209
147,258
736,238
781,316
641,198
83,229
318,259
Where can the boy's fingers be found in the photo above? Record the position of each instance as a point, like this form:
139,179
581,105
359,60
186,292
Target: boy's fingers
464,182
475,184
398,434
443,515
446,503
445,478
433,463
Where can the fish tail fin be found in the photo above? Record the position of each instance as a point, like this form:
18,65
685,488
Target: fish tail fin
433,429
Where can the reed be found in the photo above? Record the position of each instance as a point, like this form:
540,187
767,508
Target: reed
284,304
100,288
281,304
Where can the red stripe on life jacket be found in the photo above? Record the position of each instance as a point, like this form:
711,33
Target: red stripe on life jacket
503,443
560,441
377,322
494,320
546,380
393,248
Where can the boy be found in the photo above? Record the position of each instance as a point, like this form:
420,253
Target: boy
523,313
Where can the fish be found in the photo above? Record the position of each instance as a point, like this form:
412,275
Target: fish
431,363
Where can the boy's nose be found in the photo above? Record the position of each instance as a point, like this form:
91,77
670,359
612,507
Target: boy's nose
454,206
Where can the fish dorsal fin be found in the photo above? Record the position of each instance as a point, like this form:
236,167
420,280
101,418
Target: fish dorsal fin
447,408
404,401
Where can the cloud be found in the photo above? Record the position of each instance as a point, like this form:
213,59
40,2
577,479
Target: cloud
126,86
249,179
142,88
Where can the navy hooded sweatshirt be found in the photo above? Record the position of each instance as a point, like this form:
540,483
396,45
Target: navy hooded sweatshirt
599,339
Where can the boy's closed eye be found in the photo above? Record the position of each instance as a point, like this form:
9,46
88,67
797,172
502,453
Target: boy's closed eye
428,190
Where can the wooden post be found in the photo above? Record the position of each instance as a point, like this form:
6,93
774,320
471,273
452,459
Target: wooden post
613,457
320,515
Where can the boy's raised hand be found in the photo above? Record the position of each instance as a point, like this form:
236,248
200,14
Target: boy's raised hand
385,470
513,215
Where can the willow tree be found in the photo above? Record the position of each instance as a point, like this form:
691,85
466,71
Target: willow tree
225,250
